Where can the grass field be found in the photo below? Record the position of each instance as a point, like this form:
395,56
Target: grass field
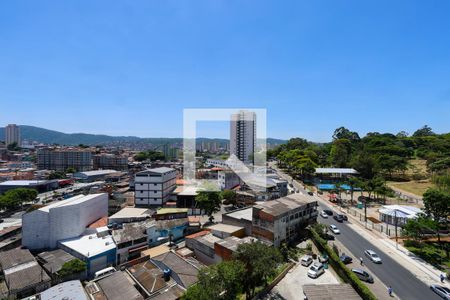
414,187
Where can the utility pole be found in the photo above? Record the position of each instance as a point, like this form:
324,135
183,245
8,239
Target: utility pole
365,211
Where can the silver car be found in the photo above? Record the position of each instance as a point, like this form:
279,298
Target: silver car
316,270
373,256
442,291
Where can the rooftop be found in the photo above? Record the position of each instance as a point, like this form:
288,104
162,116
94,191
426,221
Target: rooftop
186,270
233,242
90,245
283,205
401,211
118,286
336,171
96,172
148,275
24,182
72,290
225,228
161,170
131,212
54,260
155,251
15,257
330,292
71,201
167,210
130,232
245,214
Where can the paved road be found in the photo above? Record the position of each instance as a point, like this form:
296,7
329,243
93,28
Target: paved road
405,285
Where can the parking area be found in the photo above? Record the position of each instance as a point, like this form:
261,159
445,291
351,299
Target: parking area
291,286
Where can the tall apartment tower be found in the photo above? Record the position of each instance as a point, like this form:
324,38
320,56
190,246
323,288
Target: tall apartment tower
12,134
243,135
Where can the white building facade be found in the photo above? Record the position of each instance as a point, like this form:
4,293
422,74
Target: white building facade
154,187
243,135
44,227
12,134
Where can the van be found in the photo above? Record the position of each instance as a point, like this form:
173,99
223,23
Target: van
363,275
104,272
306,260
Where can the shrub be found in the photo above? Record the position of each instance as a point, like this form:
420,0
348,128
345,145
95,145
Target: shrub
346,274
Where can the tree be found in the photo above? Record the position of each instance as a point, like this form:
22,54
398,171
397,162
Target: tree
71,170
340,153
229,196
220,281
73,266
16,197
344,133
260,262
210,202
424,131
402,134
415,228
57,175
437,206
13,147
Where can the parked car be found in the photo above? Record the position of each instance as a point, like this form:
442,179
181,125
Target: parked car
345,259
310,193
334,229
373,256
306,260
328,212
442,291
316,270
323,258
345,217
363,275
323,214
338,218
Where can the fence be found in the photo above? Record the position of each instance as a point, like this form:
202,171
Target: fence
386,229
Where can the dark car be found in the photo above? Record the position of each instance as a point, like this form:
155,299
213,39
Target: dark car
345,217
338,218
328,212
345,259
363,275
310,193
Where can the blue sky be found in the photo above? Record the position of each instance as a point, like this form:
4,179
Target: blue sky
130,67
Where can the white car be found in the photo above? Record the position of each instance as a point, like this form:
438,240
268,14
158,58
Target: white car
334,229
324,214
306,260
316,270
373,256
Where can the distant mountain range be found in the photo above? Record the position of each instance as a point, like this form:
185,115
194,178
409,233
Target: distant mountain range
46,136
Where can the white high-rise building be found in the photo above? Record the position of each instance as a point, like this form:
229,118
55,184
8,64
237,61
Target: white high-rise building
243,135
12,134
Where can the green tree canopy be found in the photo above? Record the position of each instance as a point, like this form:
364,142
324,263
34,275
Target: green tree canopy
73,266
210,202
260,262
16,197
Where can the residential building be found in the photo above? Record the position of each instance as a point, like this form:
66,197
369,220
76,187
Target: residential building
115,286
183,271
171,213
23,275
225,230
243,135
228,180
97,250
44,227
110,161
153,187
280,220
242,217
131,239
165,230
62,159
52,262
12,134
